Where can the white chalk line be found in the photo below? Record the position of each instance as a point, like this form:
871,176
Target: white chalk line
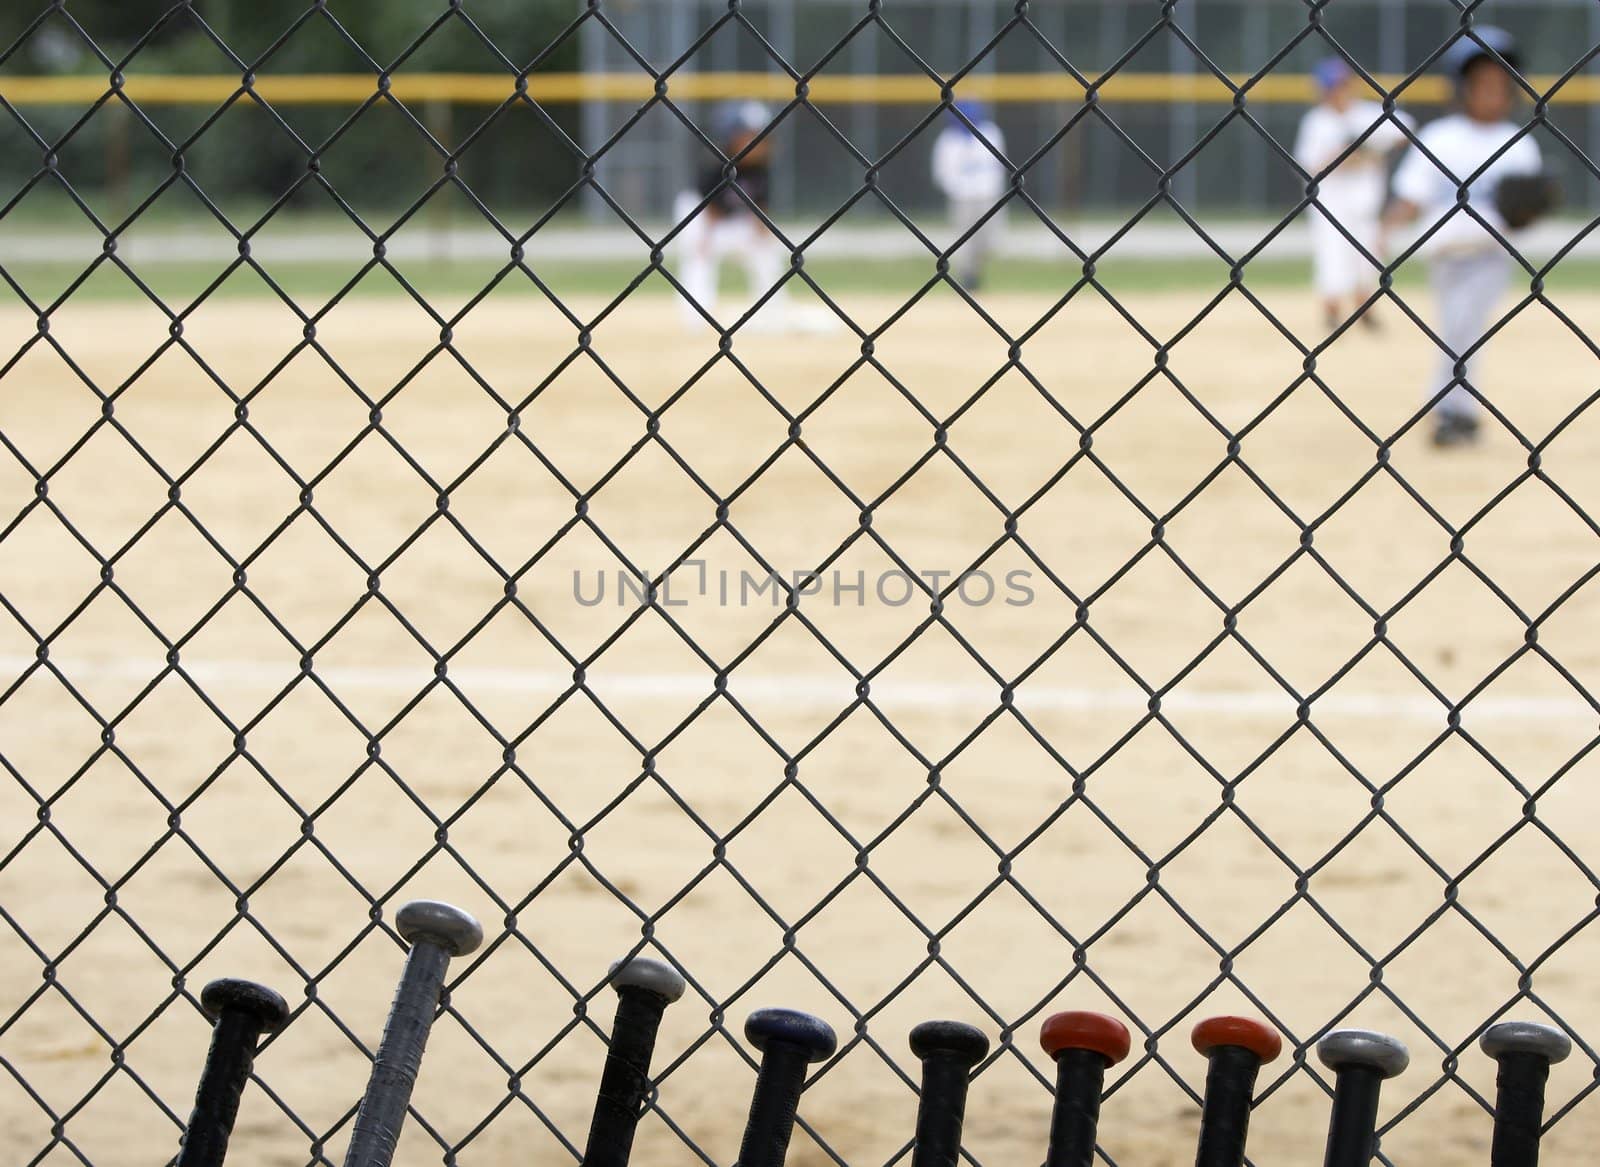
814,691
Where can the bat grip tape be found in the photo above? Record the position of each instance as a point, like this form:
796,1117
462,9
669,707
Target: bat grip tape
773,1106
1080,1078
940,1111
1225,1120
1518,1110
399,1057
222,1083
625,1080
1354,1117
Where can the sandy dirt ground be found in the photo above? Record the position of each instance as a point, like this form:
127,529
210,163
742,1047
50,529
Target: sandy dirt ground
851,807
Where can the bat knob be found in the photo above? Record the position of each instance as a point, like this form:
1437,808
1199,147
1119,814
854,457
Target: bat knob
1350,1048
956,1039
813,1035
230,995
1075,1029
653,976
1245,1032
1525,1037
444,924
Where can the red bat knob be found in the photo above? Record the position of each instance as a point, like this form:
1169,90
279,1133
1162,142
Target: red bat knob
1244,1032
1106,1036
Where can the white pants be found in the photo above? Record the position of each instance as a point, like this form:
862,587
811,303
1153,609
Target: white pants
969,259
1467,289
705,242
1338,269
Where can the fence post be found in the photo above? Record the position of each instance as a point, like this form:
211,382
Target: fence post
436,115
1183,129
117,161
592,119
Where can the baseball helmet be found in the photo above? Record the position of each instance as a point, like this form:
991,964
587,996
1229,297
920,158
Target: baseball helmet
973,111
1486,41
1331,72
732,119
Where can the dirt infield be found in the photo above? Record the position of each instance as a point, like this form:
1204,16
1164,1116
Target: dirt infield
717,750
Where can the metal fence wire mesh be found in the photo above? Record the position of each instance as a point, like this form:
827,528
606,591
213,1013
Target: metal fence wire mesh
1109,635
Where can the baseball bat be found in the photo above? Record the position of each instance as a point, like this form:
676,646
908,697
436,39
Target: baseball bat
240,1012
948,1050
1236,1048
1361,1061
436,932
789,1041
1525,1051
1083,1046
644,988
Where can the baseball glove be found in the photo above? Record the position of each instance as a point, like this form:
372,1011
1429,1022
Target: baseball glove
1522,199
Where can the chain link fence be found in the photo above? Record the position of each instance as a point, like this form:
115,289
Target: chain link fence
1110,634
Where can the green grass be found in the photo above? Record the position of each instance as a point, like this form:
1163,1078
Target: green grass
454,283
49,209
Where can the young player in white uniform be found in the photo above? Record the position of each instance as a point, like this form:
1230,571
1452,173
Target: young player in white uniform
727,227
1468,268
973,180
1350,194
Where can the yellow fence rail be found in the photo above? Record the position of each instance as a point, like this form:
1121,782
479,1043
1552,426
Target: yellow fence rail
568,88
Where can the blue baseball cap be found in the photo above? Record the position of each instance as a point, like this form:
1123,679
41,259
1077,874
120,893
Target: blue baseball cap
1331,72
1484,41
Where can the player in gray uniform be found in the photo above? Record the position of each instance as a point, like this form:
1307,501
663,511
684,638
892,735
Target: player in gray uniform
1469,268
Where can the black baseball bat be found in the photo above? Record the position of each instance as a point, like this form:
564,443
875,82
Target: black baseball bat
644,988
240,1012
948,1050
1361,1060
789,1041
1236,1048
1525,1051
1083,1046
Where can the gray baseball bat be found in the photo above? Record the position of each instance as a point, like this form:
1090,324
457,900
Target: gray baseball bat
436,932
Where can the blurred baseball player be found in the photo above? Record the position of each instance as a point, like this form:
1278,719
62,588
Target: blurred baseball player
1468,268
728,226
973,180
1352,192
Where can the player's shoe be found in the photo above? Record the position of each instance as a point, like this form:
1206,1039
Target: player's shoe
1455,429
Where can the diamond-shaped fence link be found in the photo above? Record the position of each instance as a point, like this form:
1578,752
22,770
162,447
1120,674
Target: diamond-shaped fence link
1017,589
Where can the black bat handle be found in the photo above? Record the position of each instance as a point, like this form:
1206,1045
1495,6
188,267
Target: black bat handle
1524,1051
242,1011
1083,1046
773,1106
1354,1117
789,1041
1075,1120
948,1051
644,990
1225,1122
1518,1109
1236,1047
1360,1060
